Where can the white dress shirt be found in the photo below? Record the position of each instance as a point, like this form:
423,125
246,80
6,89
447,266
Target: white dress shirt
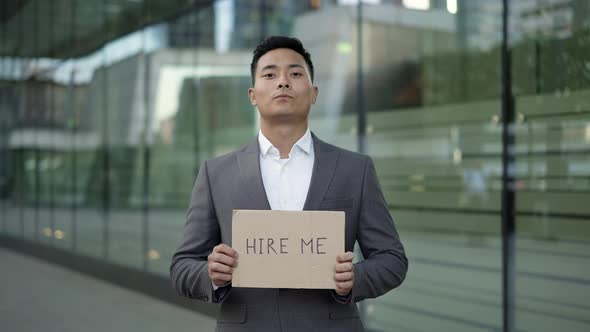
286,181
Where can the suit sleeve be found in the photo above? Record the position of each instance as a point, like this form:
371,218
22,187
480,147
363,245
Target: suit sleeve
188,270
385,263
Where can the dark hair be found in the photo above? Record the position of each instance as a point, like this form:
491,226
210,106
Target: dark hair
274,42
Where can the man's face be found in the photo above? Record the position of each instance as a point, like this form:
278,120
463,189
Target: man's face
282,90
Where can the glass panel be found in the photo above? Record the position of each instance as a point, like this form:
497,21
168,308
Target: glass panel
10,158
46,90
552,91
89,217
5,124
63,142
30,161
91,156
123,140
60,21
432,89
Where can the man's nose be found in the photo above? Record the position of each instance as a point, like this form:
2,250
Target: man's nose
283,82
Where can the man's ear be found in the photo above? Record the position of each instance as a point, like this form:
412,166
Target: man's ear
316,91
252,97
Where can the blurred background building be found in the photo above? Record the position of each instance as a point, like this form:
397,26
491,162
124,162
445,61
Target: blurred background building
107,108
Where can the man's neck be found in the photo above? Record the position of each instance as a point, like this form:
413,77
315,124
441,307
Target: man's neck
283,136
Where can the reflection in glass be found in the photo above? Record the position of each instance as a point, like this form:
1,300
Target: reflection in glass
430,99
552,88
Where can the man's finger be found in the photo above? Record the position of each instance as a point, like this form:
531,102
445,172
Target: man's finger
218,267
225,249
216,276
222,258
346,276
345,257
344,285
344,267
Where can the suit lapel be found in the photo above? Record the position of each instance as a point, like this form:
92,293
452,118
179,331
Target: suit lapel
251,179
324,166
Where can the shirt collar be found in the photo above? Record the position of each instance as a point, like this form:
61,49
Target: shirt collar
304,143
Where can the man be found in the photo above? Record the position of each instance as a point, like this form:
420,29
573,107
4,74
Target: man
287,168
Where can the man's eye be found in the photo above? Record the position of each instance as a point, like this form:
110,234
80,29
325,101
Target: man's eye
297,74
268,75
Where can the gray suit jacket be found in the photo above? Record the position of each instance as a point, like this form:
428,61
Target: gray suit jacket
341,181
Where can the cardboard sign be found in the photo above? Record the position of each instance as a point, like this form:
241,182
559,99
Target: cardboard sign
286,249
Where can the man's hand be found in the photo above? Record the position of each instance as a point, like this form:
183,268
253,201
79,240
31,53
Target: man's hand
344,275
221,263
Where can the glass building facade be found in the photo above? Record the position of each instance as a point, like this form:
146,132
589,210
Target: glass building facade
476,113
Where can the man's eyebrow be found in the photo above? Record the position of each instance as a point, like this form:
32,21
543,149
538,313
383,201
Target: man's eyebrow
294,65
268,67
